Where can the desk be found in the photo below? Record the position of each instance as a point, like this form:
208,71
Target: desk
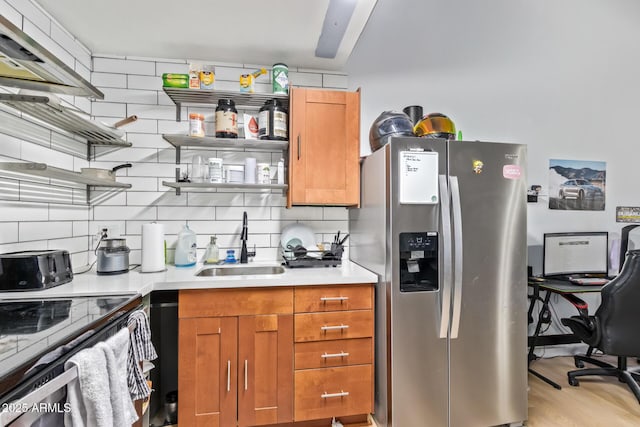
549,287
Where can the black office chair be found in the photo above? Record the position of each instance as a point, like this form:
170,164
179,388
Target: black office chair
613,328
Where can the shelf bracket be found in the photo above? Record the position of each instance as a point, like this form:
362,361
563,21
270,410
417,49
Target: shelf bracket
177,155
178,108
178,180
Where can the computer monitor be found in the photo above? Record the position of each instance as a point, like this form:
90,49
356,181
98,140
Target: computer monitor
575,254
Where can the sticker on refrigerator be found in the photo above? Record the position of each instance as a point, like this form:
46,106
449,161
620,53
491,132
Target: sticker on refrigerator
477,166
511,171
418,177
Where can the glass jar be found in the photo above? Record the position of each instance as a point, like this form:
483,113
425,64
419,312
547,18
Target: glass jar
226,119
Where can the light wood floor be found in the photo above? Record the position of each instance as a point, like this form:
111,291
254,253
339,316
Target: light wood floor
597,402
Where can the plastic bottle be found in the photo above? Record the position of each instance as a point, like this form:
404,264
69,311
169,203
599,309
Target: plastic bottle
272,121
226,119
231,257
211,254
281,171
186,248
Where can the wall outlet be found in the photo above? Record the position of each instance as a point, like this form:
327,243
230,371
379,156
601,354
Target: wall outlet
112,231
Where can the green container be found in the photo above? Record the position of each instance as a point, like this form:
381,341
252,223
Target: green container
280,79
175,80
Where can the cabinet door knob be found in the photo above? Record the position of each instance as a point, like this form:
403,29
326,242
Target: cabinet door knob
298,146
228,375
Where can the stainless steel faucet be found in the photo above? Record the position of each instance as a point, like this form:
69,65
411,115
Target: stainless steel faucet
244,236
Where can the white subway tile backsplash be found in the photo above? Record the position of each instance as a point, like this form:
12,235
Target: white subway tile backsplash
33,13
131,155
235,213
109,109
71,244
124,66
109,80
43,38
70,44
82,103
44,230
166,213
144,82
145,140
10,146
171,67
37,153
68,213
303,213
134,86
122,213
305,79
136,96
8,232
10,13
152,111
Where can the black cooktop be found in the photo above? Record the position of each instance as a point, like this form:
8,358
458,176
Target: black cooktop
32,328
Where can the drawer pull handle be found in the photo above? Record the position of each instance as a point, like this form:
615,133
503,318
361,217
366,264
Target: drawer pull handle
326,395
341,354
228,375
334,328
325,299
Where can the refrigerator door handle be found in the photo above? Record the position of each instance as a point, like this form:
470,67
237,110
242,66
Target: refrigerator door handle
457,255
445,214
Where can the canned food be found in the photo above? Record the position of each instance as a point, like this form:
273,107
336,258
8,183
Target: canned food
280,78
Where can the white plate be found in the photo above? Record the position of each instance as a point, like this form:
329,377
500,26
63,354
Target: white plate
298,234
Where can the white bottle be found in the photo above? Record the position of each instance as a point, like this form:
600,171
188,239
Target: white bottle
186,248
281,171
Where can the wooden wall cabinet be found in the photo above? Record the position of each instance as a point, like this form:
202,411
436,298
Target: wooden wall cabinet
235,358
324,129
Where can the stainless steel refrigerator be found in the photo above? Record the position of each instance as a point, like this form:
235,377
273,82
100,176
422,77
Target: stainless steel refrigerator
443,224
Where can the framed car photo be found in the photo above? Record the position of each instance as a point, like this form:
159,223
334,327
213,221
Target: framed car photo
577,185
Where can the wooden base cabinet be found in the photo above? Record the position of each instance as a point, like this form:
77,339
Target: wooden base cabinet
334,351
275,356
235,370
324,148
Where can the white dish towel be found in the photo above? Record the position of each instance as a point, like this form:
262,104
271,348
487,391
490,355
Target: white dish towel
99,397
88,394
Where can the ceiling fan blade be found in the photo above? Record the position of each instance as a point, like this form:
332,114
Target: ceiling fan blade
335,24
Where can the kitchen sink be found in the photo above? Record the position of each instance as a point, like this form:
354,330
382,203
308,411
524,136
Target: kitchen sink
240,271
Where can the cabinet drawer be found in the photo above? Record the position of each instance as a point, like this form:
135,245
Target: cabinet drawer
323,354
333,392
234,302
333,326
333,298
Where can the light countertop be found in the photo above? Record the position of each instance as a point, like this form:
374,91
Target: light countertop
173,278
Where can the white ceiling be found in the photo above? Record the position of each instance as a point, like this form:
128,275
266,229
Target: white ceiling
247,31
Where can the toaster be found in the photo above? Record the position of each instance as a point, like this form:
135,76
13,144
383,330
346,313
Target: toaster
33,270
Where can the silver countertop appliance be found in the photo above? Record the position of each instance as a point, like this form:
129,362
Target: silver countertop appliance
112,256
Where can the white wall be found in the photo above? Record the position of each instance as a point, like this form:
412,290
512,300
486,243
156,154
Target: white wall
134,86
25,224
559,76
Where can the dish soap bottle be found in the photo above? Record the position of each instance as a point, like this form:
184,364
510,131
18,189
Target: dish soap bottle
186,248
211,254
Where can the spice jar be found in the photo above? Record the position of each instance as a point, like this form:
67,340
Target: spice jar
226,119
196,124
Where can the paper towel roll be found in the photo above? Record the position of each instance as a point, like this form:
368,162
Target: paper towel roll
152,248
250,170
